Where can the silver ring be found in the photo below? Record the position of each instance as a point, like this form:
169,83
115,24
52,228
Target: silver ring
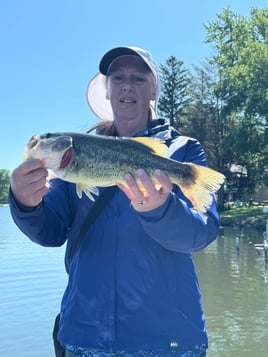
140,203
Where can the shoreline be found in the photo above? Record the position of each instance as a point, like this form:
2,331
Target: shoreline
252,222
239,221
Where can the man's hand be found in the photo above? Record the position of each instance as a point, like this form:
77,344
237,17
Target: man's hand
29,182
151,197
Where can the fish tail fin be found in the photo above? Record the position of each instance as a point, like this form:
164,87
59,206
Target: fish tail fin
203,182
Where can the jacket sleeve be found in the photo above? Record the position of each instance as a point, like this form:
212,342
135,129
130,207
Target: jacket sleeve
48,223
176,225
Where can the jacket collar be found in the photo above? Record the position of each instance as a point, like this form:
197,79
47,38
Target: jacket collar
158,128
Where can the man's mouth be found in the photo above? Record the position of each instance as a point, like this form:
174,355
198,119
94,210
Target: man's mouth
127,101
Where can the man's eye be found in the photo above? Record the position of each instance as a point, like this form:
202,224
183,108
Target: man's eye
117,78
138,79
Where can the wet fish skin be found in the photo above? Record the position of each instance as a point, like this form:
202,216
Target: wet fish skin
94,160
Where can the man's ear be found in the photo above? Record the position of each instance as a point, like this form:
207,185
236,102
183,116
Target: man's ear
154,91
153,94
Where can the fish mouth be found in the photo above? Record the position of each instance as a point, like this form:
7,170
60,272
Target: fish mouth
66,158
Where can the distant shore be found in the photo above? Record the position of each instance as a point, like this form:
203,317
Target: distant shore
232,221
240,221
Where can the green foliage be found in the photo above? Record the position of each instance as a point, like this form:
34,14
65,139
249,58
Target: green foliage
241,53
224,103
4,185
174,82
202,113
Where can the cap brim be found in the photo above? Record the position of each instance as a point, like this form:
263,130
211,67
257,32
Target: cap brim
111,55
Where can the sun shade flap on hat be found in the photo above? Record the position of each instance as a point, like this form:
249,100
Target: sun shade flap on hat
96,90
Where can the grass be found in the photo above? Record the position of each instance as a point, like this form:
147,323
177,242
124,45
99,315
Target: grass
255,211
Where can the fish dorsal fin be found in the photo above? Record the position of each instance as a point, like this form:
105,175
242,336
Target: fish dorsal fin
156,145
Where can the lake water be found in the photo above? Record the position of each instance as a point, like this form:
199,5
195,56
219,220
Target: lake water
234,286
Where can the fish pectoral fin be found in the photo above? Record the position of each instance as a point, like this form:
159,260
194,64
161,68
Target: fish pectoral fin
157,146
88,190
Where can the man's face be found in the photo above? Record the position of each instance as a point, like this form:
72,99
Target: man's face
130,88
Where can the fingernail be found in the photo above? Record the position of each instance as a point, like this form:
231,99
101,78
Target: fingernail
140,172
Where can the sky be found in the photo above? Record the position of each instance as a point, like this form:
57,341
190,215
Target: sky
51,48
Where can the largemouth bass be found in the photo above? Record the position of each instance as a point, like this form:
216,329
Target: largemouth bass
92,161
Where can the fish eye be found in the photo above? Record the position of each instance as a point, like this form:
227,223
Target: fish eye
46,136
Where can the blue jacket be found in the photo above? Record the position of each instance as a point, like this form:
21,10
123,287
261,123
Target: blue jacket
132,284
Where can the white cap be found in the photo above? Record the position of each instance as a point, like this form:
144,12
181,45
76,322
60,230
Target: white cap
96,90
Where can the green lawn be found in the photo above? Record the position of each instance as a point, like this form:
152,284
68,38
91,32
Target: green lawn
255,211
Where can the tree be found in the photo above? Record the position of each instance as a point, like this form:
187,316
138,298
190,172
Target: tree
4,185
193,107
174,83
204,119
241,53
202,112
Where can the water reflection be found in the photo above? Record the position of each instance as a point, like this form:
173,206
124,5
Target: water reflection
32,280
234,284
233,279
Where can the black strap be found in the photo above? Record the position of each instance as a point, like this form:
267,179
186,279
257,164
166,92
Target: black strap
58,348
101,202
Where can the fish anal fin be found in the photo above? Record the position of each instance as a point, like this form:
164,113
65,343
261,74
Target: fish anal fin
157,146
88,190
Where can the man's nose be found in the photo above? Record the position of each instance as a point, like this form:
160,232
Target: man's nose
127,85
